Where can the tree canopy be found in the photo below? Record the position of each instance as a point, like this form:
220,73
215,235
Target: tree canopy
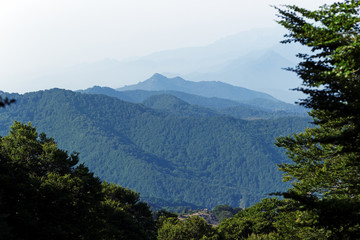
46,194
325,169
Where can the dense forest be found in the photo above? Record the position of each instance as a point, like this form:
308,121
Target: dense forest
173,160
46,193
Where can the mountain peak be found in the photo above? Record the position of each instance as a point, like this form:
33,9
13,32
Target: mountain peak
160,77
157,76
157,82
160,82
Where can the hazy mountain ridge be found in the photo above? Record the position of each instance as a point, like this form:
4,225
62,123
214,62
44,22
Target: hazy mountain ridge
243,59
199,161
213,95
159,82
138,96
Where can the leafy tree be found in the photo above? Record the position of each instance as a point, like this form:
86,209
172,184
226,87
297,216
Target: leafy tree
222,212
127,217
256,220
192,228
46,194
43,194
162,215
325,169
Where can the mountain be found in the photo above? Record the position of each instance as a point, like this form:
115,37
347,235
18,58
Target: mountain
240,102
180,103
211,89
194,105
173,161
159,82
138,96
175,106
263,71
251,59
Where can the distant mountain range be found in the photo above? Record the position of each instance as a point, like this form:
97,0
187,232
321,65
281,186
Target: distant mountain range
220,98
254,59
159,82
174,153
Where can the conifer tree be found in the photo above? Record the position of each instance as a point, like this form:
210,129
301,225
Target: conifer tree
325,168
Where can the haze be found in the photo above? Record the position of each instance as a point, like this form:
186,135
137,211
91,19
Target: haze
40,37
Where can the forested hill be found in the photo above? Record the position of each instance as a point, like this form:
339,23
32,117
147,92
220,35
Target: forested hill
252,106
171,160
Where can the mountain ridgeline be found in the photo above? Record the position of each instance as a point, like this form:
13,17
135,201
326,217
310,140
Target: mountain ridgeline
244,59
220,97
174,160
205,88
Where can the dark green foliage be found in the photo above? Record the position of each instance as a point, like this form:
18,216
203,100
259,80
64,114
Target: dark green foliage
188,161
45,194
325,168
127,217
258,219
161,215
194,228
39,183
222,212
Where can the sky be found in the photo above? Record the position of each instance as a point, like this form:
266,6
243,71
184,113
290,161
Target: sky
41,36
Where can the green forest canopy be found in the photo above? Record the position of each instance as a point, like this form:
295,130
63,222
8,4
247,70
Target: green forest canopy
42,181
176,161
46,194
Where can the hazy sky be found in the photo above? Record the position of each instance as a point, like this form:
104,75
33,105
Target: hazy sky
44,36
